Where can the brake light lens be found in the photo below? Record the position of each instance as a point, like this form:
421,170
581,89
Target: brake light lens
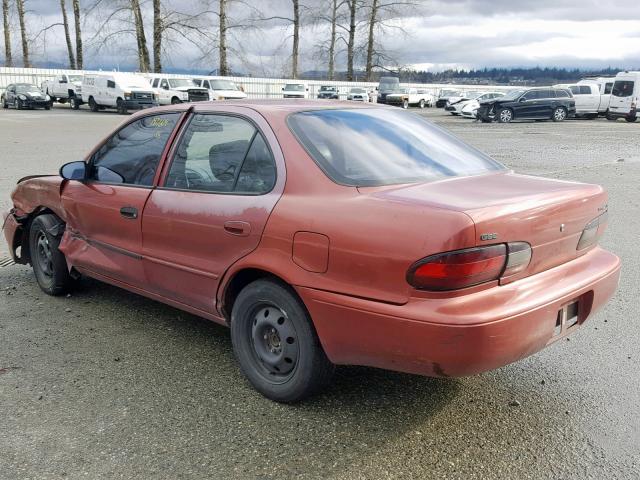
593,231
469,267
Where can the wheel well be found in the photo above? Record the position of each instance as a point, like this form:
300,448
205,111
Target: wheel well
240,280
25,226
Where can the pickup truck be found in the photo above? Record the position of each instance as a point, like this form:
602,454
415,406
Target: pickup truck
64,88
588,97
407,97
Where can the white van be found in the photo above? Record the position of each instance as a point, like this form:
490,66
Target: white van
624,97
172,90
220,88
122,91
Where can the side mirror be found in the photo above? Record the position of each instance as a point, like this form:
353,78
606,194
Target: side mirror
283,89
74,171
522,99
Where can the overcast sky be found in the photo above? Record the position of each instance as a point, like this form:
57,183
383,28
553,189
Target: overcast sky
434,35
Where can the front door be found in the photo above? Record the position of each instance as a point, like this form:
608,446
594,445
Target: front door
104,212
211,209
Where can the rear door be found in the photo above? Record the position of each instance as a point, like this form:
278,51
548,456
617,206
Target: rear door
104,233
223,178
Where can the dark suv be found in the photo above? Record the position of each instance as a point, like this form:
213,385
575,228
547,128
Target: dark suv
531,104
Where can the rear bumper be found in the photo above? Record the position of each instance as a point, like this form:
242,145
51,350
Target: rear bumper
632,113
465,334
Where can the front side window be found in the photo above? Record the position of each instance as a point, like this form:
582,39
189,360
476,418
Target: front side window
585,90
222,154
155,82
131,156
382,147
607,88
622,88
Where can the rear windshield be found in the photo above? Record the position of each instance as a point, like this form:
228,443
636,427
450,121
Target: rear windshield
622,88
379,146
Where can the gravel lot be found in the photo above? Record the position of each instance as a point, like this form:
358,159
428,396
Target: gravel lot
107,384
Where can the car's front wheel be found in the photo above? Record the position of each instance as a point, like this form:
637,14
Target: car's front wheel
405,104
49,264
276,344
19,104
505,115
93,106
559,114
422,103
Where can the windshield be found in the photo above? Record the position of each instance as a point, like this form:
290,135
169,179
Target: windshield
75,78
26,88
222,85
180,82
296,87
512,95
382,147
357,90
324,88
622,88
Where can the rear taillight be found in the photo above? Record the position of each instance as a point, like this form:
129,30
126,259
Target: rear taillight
593,231
468,267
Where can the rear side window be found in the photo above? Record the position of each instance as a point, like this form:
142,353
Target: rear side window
222,154
370,147
562,94
131,156
622,88
585,90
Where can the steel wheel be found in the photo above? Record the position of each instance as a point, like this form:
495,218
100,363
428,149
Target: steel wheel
43,254
559,114
506,115
275,343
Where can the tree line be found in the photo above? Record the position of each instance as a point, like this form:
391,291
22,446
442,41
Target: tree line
351,30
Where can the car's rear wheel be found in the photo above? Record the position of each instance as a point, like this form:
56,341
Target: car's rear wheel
275,343
19,104
631,119
75,103
405,104
505,115
49,264
422,103
559,114
93,106
175,101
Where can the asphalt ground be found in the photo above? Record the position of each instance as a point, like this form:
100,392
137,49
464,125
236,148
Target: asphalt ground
105,384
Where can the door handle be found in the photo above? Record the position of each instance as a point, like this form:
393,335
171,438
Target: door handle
238,228
129,212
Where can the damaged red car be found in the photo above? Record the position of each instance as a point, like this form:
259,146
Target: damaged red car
323,234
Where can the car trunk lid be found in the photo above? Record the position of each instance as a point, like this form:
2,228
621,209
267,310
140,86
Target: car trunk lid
548,214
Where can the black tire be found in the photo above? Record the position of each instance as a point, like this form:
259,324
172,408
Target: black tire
276,344
559,114
75,103
47,107
121,107
486,120
93,106
405,104
505,115
49,264
175,101
4,103
630,119
19,105
421,104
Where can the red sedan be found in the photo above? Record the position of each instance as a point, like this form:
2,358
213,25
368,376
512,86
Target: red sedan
323,234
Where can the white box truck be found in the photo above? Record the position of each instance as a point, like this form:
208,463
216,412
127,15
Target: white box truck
624,97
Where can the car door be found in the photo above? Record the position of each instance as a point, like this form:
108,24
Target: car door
104,212
225,175
526,105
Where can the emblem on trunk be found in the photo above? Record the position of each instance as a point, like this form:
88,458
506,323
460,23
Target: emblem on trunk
488,236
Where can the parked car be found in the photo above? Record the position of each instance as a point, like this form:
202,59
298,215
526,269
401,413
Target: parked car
220,88
328,92
469,108
453,99
275,223
625,95
295,90
587,97
122,91
64,88
25,95
407,97
358,94
530,104
386,86
444,96
605,85
455,104
172,90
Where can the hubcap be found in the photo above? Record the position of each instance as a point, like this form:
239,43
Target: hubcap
505,115
560,114
45,260
275,342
